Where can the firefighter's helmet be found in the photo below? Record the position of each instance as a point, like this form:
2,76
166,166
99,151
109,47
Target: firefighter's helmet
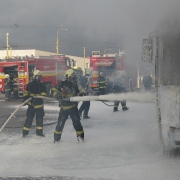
70,75
101,74
37,73
6,75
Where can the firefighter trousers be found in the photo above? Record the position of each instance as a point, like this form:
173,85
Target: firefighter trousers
31,112
84,107
102,91
7,94
116,105
63,115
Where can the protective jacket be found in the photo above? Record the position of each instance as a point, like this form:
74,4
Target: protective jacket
7,84
118,88
66,89
102,83
7,87
35,88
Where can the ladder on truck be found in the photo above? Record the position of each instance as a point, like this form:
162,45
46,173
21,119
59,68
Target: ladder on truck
21,81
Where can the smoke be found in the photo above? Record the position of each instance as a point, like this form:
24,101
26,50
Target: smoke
170,26
95,25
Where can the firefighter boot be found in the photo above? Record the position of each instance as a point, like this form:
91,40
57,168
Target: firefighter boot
57,136
124,107
25,132
39,132
86,117
115,109
80,137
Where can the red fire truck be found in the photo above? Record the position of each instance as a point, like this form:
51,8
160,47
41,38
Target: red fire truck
21,71
113,66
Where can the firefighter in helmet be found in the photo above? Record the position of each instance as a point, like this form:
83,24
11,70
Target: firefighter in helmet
7,87
102,84
35,105
65,89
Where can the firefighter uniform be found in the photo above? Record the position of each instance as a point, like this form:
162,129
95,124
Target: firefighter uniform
86,104
35,106
66,89
118,88
102,84
7,87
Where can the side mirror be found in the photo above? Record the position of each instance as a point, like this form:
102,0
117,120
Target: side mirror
147,50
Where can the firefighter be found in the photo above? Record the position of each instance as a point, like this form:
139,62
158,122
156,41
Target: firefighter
147,82
35,105
119,88
102,84
65,89
86,86
7,85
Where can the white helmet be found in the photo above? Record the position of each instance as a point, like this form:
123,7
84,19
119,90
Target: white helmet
37,73
101,74
6,75
70,75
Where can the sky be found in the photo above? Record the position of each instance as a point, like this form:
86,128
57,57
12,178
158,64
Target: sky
93,24
122,145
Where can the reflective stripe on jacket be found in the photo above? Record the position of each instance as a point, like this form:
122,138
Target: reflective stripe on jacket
35,88
102,83
66,89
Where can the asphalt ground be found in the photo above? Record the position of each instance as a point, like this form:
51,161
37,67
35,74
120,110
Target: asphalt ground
17,122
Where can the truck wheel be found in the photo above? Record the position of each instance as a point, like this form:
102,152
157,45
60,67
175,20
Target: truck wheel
48,90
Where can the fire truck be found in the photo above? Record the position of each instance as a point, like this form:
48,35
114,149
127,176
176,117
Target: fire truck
21,71
113,66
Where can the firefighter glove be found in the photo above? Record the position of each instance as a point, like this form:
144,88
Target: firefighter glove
32,100
58,97
82,94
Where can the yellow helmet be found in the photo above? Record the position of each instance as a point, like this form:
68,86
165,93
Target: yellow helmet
70,75
6,75
37,73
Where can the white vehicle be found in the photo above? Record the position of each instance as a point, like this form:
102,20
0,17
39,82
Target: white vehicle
167,83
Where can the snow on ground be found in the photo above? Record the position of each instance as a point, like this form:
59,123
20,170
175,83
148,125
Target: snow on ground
121,145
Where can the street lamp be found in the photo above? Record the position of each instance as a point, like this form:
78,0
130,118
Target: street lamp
7,45
57,40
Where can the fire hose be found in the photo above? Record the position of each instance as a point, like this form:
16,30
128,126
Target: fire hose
111,98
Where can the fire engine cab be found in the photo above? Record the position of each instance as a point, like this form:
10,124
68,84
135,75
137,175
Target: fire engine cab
113,66
21,71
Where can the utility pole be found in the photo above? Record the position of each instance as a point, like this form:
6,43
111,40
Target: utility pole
7,46
84,58
57,40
